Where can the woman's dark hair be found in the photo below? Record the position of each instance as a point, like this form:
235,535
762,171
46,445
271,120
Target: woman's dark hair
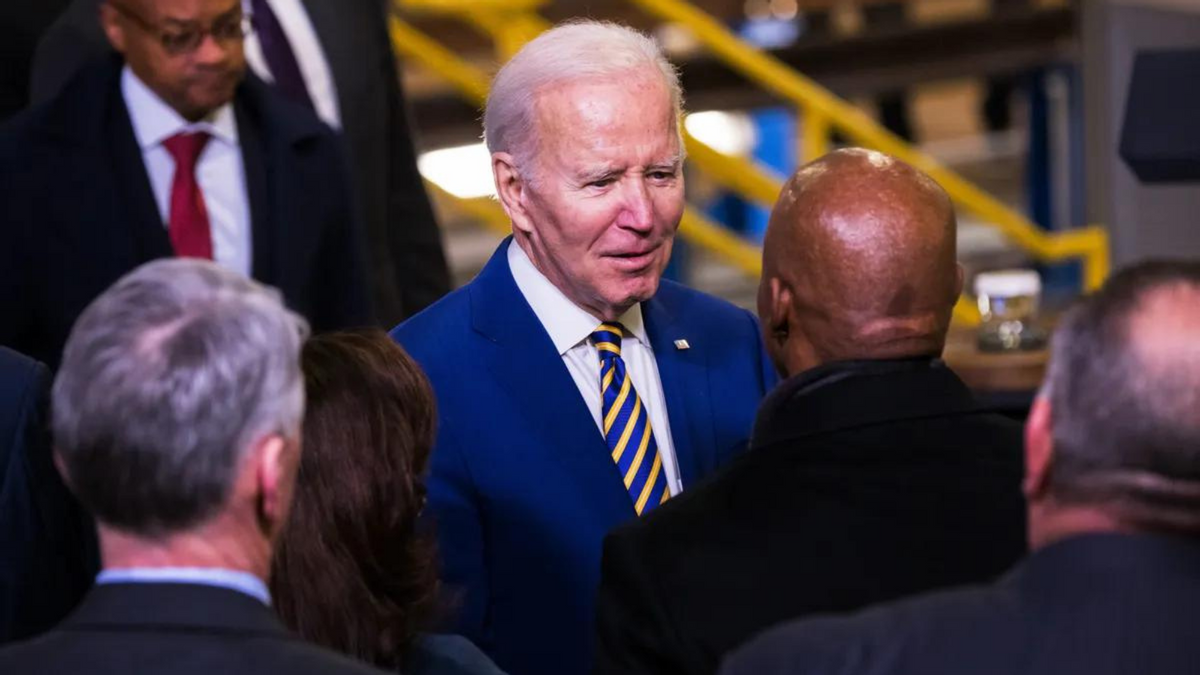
352,572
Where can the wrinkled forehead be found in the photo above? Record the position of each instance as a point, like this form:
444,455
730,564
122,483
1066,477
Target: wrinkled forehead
633,117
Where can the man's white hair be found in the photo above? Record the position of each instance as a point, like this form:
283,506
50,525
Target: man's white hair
572,51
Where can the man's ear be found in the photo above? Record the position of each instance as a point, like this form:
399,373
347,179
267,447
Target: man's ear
62,469
960,275
275,473
113,30
775,307
512,189
1039,449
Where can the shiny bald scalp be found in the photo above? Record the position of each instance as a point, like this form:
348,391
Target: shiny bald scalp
858,262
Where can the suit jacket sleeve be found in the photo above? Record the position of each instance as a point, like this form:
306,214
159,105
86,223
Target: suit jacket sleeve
459,523
48,553
414,237
634,634
339,283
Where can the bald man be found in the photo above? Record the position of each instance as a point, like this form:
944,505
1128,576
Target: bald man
1113,487
872,474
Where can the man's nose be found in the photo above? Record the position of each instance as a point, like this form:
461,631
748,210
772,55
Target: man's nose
638,211
210,50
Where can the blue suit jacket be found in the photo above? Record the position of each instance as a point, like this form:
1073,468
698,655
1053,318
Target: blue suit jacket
522,488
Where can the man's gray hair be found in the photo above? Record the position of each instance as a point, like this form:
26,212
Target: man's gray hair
1126,423
166,381
572,51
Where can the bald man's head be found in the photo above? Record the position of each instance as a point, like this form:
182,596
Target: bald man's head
858,263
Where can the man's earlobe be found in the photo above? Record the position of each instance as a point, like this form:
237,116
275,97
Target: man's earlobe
272,477
780,304
1039,449
61,466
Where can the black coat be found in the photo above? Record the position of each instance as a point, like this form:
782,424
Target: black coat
406,265
180,629
48,550
79,211
864,482
1100,604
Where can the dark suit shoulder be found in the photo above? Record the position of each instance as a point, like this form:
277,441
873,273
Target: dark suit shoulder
694,512
18,373
935,633
78,651
23,384
75,113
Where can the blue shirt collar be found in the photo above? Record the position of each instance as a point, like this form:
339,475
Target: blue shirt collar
242,582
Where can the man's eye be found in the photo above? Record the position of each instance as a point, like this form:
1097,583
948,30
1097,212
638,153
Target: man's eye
226,31
662,175
603,182
178,41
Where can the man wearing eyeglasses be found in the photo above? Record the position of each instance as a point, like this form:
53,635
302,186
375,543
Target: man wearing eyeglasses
335,57
170,149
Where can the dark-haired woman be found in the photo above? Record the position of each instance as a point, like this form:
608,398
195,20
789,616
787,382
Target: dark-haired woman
353,573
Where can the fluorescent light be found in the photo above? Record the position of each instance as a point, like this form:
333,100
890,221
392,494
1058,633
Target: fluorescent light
464,171
729,133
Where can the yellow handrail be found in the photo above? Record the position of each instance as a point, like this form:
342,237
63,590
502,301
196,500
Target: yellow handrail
820,105
510,24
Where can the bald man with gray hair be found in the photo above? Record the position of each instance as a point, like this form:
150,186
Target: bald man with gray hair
176,417
872,473
576,388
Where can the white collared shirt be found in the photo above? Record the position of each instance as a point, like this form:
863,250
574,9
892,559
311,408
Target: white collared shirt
219,169
570,327
314,68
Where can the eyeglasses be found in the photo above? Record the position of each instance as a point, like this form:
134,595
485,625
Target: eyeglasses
232,27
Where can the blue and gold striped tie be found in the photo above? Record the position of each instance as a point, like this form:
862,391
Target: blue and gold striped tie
627,424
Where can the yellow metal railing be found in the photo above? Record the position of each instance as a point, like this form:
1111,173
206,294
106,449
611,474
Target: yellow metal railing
510,23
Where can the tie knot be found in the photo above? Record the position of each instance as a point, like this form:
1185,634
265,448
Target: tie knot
185,148
608,338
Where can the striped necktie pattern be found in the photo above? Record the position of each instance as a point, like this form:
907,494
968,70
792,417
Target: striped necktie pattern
626,424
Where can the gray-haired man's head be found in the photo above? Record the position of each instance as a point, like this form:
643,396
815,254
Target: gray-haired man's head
168,380
1117,429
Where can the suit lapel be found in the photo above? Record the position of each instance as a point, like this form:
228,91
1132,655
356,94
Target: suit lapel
684,376
334,33
255,160
526,362
128,170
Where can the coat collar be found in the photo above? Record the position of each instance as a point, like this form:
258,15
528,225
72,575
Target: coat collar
849,394
173,606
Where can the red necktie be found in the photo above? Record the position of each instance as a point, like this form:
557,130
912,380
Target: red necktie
188,222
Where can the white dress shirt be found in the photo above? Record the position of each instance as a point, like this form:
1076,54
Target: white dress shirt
220,172
570,328
314,68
